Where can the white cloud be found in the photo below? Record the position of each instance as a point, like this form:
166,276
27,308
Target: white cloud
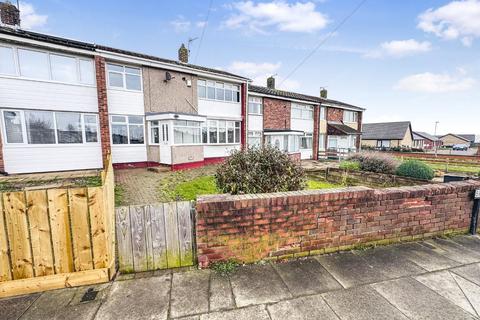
400,48
295,17
180,25
201,24
436,82
455,20
29,18
259,72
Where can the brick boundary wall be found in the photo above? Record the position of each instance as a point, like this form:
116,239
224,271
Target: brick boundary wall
103,107
250,228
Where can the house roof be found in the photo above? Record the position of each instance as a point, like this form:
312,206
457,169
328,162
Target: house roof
457,136
299,96
417,137
343,128
93,47
469,137
425,135
385,130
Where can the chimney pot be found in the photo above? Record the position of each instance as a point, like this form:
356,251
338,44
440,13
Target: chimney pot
183,54
9,14
323,93
271,82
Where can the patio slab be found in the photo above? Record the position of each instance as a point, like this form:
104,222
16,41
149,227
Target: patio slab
304,308
221,296
425,257
189,293
306,276
469,272
258,284
472,243
49,305
361,303
13,308
417,301
455,251
250,313
145,298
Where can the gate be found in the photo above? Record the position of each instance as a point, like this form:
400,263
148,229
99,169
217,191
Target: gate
157,236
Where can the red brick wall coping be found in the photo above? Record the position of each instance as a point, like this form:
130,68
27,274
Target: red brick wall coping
281,225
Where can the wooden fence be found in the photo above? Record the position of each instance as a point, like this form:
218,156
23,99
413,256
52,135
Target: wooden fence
155,236
55,238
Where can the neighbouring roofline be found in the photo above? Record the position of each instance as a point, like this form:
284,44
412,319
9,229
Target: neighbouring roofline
455,135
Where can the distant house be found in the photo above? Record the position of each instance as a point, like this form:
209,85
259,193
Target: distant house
428,141
418,141
387,135
449,140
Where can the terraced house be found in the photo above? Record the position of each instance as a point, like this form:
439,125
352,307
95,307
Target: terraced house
307,127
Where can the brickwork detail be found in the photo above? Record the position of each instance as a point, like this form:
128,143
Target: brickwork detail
103,107
316,128
294,224
334,114
276,114
9,14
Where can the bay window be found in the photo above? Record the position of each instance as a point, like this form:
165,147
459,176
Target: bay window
127,129
255,106
300,111
221,131
48,127
186,132
286,143
306,141
220,91
124,77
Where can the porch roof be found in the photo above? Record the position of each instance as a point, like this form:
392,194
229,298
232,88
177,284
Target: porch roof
343,128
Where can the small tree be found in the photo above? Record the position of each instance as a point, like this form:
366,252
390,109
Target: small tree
259,170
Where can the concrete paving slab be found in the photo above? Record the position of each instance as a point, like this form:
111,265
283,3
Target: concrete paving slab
350,269
471,291
13,308
49,304
101,289
189,293
453,250
445,285
83,311
470,272
425,257
417,301
362,303
389,262
221,297
470,242
145,298
306,276
304,308
257,284
250,313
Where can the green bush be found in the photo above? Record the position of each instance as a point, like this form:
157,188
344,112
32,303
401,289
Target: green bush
415,169
259,170
375,162
350,165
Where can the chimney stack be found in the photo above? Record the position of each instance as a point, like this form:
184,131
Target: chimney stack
271,82
9,14
183,54
323,93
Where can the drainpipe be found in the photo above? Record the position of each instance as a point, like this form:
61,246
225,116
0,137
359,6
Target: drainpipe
476,209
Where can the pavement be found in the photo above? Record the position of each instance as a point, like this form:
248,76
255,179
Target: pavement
431,279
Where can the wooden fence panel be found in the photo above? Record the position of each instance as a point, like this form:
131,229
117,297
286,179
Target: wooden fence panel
155,236
60,225
5,269
82,249
98,224
37,212
18,235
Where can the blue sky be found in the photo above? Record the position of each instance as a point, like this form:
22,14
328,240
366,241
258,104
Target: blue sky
402,60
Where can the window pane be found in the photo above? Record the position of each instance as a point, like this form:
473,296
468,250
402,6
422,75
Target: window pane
212,131
136,134
114,67
63,68
121,119
133,82
33,64
69,127
87,75
222,134
40,127
230,132
202,92
155,135
228,95
132,70
237,132
7,61
13,126
91,128
115,80
211,92
119,134
135,119
201,83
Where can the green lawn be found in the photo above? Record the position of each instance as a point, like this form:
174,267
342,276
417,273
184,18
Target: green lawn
189,190
455,168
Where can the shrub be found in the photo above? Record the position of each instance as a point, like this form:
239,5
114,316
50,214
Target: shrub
415,169
259,170
375,162
350,165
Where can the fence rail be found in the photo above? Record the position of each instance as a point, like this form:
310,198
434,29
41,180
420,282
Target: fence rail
54,238
152,237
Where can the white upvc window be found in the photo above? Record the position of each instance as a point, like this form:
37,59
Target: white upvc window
38,127
383,143
219,91
186,132
287,143
254,138
158,132
323,113
350,116
221,132
321,142
255,106
44,65
127,129
124,77
302,111
306,141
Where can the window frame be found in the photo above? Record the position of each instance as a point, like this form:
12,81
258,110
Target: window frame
25,142
259,104
235,125
220,85
199,127
303,108
306,135
127,123
78,79
124,74
354,116
255,134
